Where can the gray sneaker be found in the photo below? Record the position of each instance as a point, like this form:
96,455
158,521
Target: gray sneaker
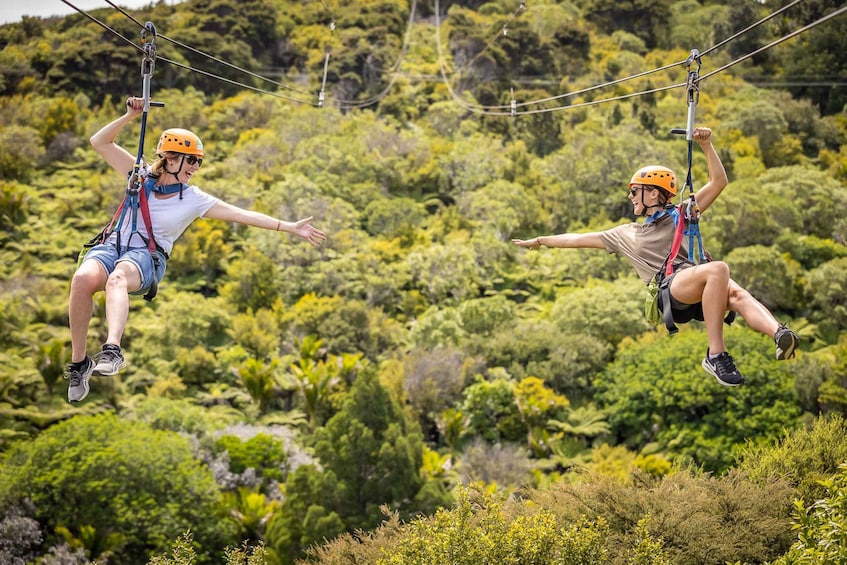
109,361
78,376
786,342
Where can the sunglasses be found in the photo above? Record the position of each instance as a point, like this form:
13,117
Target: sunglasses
192,160
633,191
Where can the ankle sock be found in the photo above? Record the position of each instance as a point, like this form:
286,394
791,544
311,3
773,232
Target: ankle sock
80,364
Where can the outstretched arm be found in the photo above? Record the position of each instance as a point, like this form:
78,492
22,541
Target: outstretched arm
717,174
302,228
104,140
570,240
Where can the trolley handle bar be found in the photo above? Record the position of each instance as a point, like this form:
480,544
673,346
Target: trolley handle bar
154,104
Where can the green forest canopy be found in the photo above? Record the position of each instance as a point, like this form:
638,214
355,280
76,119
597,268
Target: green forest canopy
419,359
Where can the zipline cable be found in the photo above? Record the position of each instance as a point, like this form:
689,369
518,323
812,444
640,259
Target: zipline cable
393,69
750,27
479,108
182,66
510,110
504,30
395,73
493,110
344,104
774,43
203,54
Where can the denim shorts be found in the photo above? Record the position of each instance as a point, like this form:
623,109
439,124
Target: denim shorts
107,255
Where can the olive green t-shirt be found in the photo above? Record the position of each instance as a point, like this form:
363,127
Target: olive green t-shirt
645,245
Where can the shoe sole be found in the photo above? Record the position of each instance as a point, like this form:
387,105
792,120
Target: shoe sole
786,350
708,369
108,372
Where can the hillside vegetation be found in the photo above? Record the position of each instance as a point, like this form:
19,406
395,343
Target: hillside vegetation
419,389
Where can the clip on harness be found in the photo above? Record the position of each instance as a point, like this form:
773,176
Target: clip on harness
138,189
690,214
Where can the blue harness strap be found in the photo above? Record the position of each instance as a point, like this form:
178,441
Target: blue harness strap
150,186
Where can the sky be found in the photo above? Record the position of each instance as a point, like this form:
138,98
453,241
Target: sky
14,10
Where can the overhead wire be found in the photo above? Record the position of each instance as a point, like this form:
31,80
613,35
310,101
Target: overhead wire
180,65
344,104
394,68
503,30
739,33
496,110
203,54
776,42
472,107
104,26
492,110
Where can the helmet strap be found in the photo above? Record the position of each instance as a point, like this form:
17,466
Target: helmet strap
645,208
178,171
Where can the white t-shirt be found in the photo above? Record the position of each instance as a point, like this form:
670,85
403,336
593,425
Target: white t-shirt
170,217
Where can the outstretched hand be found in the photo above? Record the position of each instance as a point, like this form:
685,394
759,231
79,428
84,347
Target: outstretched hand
307,231
527,243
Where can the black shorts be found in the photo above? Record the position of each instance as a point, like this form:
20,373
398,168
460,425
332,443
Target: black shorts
682,312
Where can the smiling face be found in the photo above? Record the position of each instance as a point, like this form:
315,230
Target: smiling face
181,166
643,197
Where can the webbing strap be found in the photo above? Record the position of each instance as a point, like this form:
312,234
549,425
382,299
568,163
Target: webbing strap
145,214
677,242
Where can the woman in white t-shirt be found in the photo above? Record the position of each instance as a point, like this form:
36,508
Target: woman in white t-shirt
122,264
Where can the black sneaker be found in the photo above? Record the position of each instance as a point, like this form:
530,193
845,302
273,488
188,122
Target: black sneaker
786,342
109,361
78,374
722,367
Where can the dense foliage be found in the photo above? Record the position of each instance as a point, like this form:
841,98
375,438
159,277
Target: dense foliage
419,389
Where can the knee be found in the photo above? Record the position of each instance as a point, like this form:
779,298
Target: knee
116,281
718,270
85,282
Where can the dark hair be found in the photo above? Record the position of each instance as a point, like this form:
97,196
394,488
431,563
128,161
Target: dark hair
664,195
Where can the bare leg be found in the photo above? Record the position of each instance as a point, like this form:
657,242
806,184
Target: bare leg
124,279
757,316
87,280
707,283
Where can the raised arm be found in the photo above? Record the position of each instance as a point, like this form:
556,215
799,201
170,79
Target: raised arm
104,140
302,228
569,240
717,174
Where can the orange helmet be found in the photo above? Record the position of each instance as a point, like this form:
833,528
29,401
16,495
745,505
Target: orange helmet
656,175
180,140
